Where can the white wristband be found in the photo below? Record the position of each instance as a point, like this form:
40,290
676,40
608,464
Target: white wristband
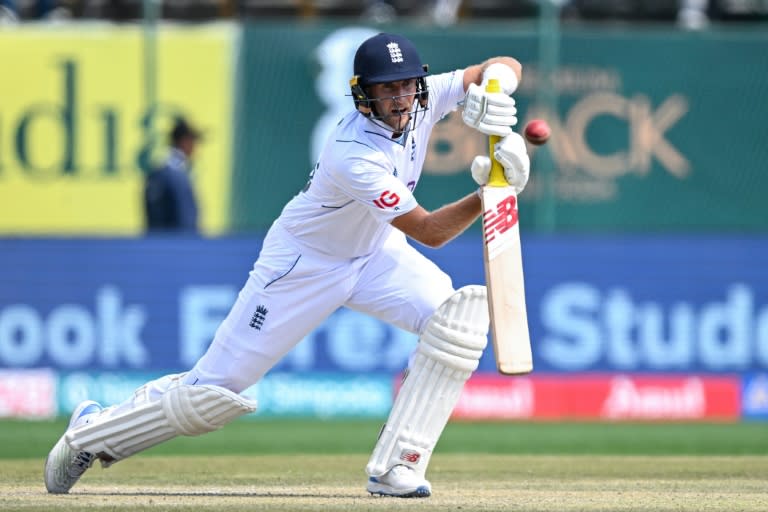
504,74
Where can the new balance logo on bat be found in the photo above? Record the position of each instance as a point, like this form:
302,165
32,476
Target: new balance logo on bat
499,220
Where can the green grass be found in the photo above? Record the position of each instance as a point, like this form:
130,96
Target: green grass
22,439
286,465
461,482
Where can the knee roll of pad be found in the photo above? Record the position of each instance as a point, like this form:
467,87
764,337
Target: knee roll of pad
457,333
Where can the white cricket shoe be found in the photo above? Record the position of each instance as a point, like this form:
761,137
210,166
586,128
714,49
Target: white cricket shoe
400,481
64,466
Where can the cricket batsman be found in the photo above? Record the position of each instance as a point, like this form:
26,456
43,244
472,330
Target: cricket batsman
341,241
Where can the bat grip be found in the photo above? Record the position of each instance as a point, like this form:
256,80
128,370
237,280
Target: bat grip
496,177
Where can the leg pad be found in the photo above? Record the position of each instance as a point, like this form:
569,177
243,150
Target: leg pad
449,350
181,410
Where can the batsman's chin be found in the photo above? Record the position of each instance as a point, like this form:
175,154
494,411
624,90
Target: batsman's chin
399,122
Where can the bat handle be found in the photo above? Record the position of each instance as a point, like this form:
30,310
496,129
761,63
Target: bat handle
496,178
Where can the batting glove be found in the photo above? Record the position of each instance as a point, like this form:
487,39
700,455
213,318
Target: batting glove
512,154
492,113
503,74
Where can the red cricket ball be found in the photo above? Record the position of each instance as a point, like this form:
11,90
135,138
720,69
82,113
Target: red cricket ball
537,131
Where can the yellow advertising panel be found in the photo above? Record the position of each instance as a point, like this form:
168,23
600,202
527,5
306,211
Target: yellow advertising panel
77,124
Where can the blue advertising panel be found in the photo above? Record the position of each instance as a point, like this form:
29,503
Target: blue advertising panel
754,396
279,394
597,303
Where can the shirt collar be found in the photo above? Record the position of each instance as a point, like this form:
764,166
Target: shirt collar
380,128
177,159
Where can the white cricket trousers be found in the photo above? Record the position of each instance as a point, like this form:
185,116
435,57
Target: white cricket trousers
292,290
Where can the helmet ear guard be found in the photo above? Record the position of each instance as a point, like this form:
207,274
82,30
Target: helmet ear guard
362,102
422,93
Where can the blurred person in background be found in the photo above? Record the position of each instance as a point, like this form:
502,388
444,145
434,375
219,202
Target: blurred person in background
8,14
446,12
170,202
439,12
342,242
37,10
379,11
692,14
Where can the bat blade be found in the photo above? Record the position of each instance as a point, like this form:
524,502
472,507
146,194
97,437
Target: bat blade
504,279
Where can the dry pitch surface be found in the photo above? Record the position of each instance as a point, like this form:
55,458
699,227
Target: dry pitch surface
460,482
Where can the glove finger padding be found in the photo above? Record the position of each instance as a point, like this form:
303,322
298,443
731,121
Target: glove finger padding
492,113
481,169
512,154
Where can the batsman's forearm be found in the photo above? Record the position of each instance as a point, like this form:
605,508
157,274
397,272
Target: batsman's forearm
449,221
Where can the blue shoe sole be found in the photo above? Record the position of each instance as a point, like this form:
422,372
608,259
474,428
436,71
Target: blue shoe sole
420,492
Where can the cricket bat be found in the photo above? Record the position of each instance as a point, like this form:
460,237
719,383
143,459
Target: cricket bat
503,262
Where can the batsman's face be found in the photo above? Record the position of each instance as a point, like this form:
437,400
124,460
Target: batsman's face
394,102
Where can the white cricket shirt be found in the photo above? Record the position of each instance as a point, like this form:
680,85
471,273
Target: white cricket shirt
364,179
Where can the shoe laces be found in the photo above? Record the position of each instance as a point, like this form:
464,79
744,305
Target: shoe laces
81,462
